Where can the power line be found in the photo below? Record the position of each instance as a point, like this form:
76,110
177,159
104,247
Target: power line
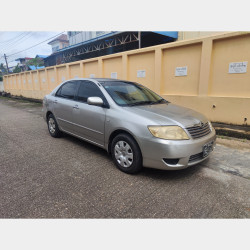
12,38
12,55
20,42
37,44
12,61
12,41
8,46
6,64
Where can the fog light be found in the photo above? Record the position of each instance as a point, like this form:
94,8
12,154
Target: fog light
171,161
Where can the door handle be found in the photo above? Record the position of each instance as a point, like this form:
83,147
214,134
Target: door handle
75,107
55,101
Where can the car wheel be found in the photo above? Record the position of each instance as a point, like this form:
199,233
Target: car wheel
126,154
53,127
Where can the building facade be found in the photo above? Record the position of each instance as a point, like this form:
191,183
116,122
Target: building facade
76,37
90,44
59,43
23,63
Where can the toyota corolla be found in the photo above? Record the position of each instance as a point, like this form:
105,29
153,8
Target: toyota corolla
135,125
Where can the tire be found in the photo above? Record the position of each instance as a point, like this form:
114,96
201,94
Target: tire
126,154
53,127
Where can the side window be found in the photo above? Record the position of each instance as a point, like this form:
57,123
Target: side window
67,90
88,89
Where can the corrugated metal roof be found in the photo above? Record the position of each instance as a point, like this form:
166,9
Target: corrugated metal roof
173,34
41,56
32,67
90,41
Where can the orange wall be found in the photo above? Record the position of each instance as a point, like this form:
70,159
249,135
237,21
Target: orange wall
207,83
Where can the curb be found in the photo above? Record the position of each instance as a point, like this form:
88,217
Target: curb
236,131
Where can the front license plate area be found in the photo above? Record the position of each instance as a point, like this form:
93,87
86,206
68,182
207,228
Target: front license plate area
207,149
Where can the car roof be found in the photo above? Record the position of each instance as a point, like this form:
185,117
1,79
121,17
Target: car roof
108,80
101,79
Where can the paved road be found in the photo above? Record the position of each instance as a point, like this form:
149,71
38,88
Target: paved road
43,177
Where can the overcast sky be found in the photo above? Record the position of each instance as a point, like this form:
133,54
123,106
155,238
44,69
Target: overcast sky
15,41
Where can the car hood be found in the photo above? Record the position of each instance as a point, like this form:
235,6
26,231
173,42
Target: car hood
169,114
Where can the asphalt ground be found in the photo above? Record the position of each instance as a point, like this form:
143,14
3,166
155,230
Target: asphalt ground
44,177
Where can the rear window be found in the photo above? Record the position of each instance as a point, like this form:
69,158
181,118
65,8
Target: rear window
67,90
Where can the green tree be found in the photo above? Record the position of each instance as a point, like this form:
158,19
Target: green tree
3,69
17,69
37,62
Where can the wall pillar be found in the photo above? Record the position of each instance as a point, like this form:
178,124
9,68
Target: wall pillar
82,70
125,67
158,71
38,80
47,81
100,67
26,83
22,86
67,72
5,83
32,85
206,55
16,86
56,76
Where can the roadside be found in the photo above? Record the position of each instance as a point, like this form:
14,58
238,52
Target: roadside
235,131
232,144
30,106
44,177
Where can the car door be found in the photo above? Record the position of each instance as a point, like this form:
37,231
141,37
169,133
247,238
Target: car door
64,103
90,119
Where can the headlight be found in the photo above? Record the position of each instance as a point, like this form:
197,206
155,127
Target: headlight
168,132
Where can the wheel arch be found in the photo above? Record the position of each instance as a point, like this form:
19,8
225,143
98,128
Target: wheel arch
117,132
47,114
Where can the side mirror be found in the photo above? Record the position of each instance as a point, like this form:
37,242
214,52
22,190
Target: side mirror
97,101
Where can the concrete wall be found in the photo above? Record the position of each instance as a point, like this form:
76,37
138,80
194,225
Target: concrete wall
208,87
184,35
1,86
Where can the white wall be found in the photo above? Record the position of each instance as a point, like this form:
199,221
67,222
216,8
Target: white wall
84,36
56,44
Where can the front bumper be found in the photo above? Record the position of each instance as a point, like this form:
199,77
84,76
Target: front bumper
154,150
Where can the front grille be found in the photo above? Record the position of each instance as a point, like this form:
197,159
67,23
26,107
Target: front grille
199,131
196,157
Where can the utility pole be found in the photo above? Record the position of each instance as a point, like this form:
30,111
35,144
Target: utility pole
6,63
139,38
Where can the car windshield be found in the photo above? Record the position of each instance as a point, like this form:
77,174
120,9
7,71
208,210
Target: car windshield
131,94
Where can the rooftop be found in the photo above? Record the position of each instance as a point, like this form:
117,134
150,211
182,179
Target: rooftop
42,56
23,58
62,38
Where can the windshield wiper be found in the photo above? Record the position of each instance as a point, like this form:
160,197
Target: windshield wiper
139,103
160,101
147,102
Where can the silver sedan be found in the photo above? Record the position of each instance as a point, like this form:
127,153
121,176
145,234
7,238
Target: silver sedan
134,124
